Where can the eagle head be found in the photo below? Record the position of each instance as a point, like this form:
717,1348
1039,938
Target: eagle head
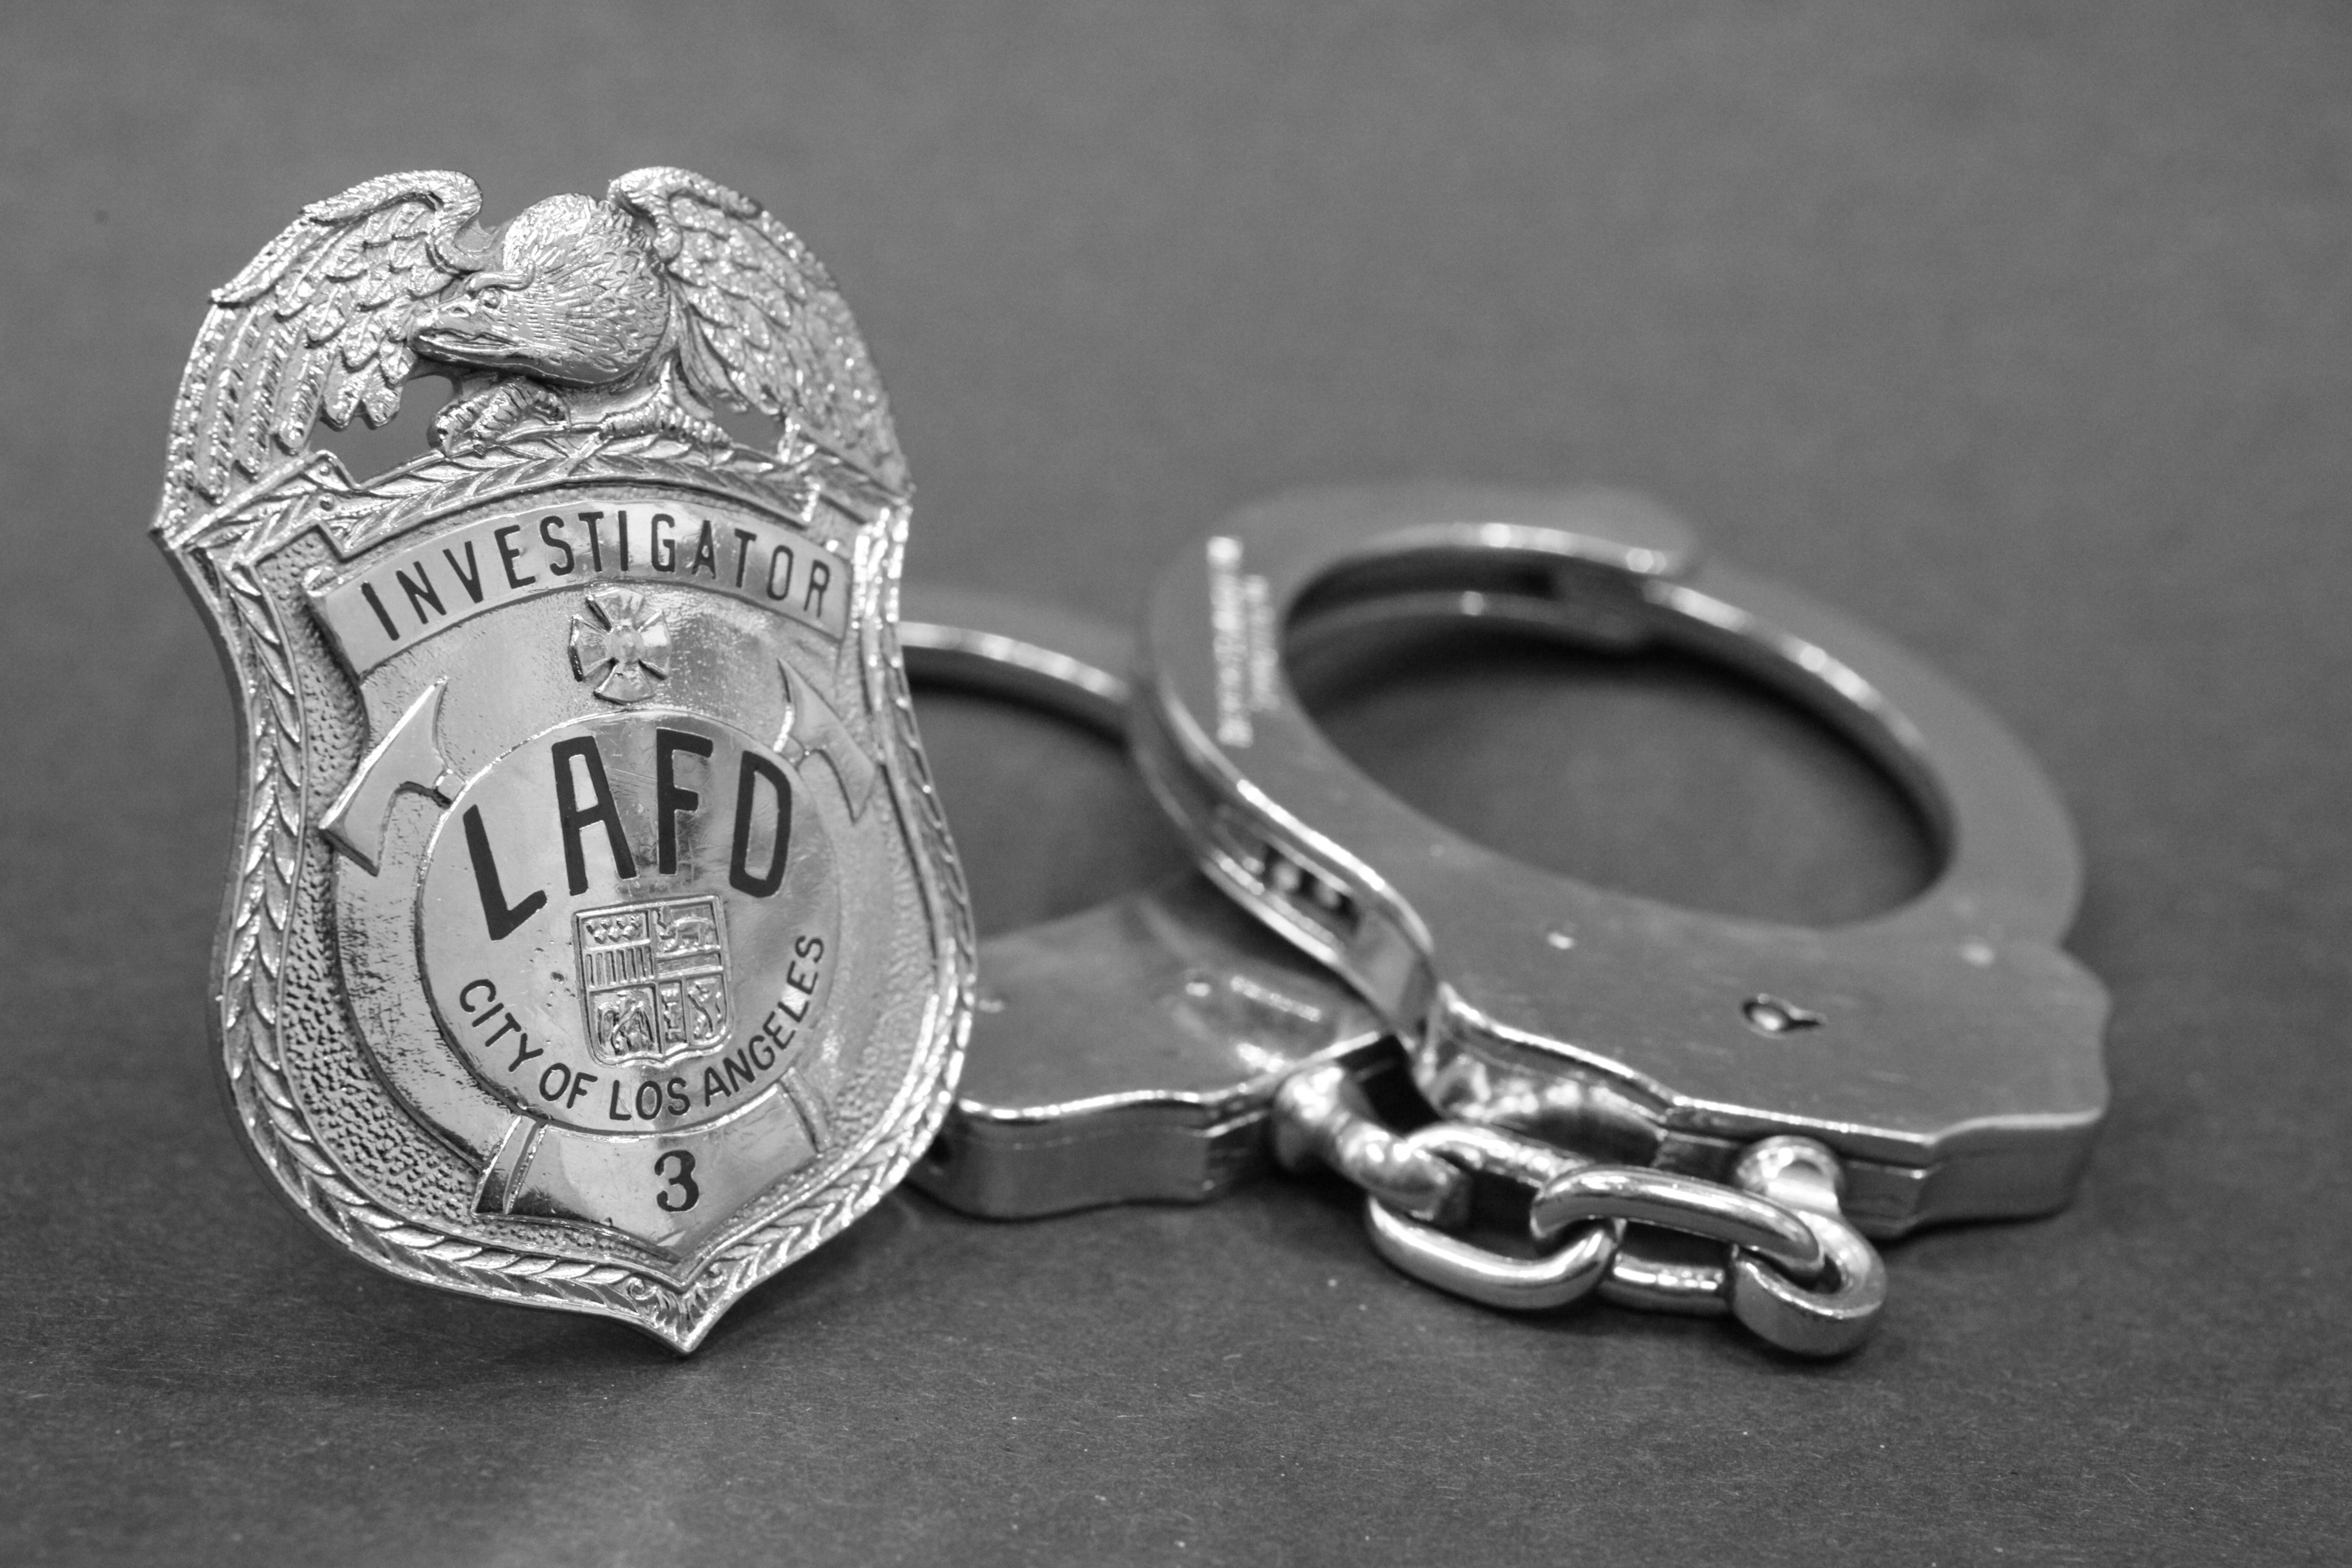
572,298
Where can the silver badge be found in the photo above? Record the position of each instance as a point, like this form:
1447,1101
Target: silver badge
594,940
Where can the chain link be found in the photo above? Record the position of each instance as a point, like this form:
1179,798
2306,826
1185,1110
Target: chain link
1793,1272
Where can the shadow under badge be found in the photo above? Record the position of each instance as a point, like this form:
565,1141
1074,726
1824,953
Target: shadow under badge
594,940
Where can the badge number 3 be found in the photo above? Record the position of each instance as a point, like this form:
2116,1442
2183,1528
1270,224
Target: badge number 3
677,1168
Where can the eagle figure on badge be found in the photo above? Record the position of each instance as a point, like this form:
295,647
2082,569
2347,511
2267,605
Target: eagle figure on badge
639,311
637,315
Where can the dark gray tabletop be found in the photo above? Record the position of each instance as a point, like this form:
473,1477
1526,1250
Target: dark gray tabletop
2020,332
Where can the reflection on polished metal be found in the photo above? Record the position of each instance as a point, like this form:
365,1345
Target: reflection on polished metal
1130,1051
1947,1051
1796,1273
1098,1073
593,938
1938,1062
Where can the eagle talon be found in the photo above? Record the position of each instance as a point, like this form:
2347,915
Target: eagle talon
472,424
642,420
453,426
704,432
662,416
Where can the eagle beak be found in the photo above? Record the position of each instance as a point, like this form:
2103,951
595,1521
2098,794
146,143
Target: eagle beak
460,330
454,333
445,328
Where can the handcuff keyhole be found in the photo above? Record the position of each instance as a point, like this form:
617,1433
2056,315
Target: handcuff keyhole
1768,1015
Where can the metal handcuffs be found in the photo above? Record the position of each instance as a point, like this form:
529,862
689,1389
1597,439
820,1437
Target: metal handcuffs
1132,1051
1162,1045
1948,1051
1938,1062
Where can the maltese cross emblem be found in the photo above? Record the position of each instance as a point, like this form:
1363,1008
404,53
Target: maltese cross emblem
620,646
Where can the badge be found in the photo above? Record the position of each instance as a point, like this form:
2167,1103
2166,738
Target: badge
593,939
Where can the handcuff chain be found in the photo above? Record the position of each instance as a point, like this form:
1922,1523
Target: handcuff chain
1795,1272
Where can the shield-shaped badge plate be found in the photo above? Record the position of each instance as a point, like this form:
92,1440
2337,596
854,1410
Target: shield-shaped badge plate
593,938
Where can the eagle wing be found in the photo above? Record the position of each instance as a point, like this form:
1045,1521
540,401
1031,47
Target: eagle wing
315,328
765,330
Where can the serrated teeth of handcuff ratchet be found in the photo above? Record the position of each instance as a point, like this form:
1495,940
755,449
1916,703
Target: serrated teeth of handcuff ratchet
1939,1061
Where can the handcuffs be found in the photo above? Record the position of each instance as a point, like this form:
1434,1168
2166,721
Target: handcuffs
1130,1051
1780,1092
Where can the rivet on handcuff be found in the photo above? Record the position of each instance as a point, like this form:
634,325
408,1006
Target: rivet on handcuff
1776,1090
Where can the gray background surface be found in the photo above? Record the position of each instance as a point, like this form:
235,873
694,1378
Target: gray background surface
2018,332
